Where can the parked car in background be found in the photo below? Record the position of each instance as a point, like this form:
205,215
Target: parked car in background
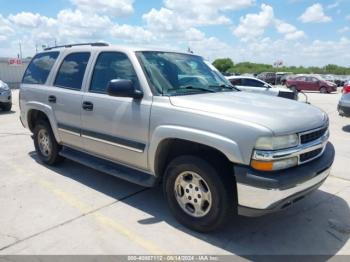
311,83
281,77
268,77
344,103
254,85
340,80
5,97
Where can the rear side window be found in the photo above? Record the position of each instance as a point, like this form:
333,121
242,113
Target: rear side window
39,68
252,82
236,81
72,70
109,66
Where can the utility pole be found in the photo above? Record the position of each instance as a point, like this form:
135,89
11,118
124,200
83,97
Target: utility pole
20,50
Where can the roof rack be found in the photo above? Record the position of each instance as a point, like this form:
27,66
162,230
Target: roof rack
69,46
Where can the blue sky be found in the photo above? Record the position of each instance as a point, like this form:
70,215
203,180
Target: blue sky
298,32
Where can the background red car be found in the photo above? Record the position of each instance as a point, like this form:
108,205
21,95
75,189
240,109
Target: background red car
311,83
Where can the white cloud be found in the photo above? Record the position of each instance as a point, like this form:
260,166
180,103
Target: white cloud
306,53
164,20
31,20
5,28
111,7
254,25
194,12
315,14
290,31
134,34
73,25
344,29
333,5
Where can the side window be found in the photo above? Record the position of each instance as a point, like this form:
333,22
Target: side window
109,66
236,81
39,68
252,82
72,70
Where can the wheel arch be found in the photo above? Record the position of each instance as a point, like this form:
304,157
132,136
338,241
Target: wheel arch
169,141
41,112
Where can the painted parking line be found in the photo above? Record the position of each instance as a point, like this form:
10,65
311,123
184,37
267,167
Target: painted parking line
88,210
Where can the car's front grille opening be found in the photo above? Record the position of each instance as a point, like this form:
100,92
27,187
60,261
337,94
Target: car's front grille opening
310,155
312,136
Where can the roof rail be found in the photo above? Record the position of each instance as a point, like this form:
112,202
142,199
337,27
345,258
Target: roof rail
82,44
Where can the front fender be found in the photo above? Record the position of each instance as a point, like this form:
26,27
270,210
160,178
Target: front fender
225,145
48,111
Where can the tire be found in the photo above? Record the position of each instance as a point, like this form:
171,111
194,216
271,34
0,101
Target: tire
6,107
323,90
45,144
212,215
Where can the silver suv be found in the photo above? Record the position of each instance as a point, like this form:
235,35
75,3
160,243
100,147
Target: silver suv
152,116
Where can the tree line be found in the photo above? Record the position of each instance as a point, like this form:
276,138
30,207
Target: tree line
226,65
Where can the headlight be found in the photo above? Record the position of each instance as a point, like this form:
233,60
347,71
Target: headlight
274,165
4,88
277,142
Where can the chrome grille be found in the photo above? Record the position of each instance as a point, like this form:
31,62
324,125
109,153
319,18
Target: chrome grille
310,155
312,135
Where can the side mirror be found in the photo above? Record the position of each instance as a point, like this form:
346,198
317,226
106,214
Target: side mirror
267,85
123,88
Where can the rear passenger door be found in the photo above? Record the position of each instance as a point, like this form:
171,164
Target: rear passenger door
115,128
65,96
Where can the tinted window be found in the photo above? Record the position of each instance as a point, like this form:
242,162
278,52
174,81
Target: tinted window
72,71
252,82
301,78
39,68
236,81
109,66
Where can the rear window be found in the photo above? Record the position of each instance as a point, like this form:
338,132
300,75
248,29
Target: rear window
39,68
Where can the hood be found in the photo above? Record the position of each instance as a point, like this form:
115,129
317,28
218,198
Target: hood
281,116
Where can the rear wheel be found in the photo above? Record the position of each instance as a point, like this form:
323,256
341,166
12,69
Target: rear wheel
45,144
323,90
197,195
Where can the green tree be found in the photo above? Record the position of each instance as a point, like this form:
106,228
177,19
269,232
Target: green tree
223,64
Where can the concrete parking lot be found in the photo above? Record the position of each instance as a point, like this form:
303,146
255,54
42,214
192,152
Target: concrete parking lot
71,209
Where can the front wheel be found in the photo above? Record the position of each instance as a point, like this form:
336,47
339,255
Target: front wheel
323,90
45,144
197,195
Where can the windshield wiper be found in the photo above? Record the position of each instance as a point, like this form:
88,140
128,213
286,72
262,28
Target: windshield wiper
223,86
199,88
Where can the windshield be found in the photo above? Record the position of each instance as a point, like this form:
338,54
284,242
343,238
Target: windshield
180,74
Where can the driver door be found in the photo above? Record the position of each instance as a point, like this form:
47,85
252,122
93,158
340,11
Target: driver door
115,128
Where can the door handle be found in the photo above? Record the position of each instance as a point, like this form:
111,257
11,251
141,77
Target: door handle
52,99
88,106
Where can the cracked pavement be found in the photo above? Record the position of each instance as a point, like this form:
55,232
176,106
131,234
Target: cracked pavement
71,209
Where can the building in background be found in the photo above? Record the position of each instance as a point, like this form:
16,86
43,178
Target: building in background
12,70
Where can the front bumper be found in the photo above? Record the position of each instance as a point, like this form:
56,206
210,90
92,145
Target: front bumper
344,108
5,96
261,193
